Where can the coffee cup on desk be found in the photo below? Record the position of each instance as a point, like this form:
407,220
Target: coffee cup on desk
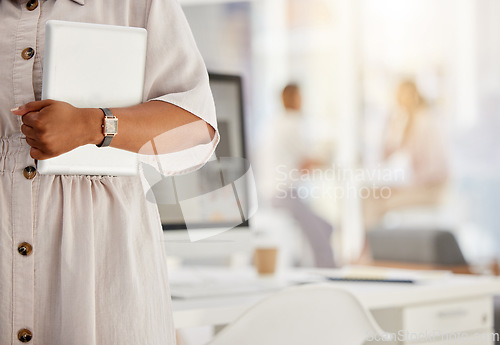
265,259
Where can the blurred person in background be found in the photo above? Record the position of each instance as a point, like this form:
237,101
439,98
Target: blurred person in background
412,141
293,158
291,149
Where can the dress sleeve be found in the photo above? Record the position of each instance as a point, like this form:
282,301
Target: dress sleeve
176,73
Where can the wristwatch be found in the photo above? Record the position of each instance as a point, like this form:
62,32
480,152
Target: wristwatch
109,127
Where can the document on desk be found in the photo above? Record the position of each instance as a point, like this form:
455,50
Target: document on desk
211,282
196,282
382,274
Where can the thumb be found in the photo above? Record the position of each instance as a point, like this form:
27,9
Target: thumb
31,107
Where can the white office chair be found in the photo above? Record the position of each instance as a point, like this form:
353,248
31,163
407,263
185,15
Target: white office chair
317,314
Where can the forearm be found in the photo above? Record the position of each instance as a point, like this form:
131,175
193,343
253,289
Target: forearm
53,128
173,128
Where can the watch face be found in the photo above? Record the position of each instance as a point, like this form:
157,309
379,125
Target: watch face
110,126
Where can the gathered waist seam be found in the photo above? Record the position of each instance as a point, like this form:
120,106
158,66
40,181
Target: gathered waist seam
11,149
13,146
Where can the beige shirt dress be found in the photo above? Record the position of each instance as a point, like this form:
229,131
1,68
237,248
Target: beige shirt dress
82,258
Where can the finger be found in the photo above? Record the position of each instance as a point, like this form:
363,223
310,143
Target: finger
30,119
31,107
33,143
37,154
28,131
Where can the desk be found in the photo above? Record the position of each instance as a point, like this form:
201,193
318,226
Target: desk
456,303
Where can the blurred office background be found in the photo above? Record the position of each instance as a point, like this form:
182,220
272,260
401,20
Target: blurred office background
398,97
397,126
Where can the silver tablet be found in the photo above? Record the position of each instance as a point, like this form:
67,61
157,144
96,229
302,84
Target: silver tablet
93,66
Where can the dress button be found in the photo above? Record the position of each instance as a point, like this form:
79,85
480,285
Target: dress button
31,5
29,172
28,53
24,335
25,249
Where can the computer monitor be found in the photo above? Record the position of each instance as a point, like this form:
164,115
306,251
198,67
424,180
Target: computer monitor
220,201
